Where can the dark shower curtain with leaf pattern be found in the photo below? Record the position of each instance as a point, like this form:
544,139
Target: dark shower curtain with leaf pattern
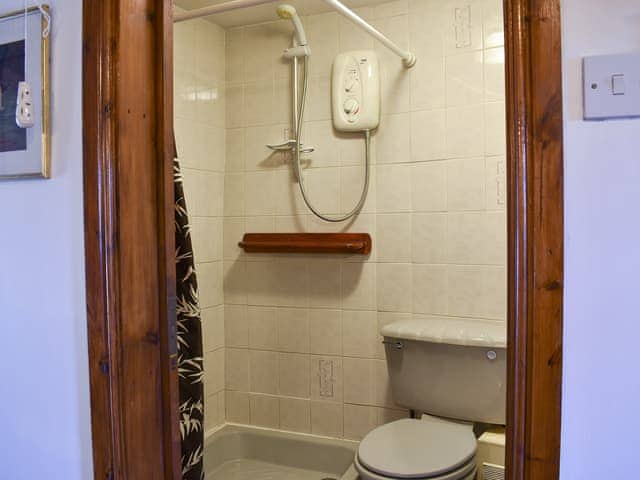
190,355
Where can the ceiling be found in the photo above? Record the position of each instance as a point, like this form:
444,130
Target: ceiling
267,12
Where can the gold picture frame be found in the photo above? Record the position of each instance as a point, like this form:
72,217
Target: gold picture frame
43,168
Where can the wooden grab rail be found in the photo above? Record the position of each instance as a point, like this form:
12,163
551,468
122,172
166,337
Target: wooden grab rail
349,243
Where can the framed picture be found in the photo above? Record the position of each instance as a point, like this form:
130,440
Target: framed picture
24,152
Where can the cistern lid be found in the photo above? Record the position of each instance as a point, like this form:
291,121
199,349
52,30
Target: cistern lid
465,332
417,448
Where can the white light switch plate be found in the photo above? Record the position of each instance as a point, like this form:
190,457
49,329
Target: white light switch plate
611,86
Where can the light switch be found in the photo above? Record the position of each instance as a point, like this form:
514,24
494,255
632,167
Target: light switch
617,84
611,86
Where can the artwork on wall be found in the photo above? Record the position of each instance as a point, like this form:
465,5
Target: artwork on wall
24,150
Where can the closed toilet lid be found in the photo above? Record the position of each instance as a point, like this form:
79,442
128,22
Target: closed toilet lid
411,448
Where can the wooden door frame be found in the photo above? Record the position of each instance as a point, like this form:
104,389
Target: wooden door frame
128,84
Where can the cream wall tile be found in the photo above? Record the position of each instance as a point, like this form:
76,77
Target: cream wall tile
263,332
394,287
326,419
237,407
359,381
265,411
494,86
257,155
206,233
429,187
463,27
319,98
213,328
352,184
393,237
496,182
494,293
427,27
324,283
465,79
406,211
236,327
321,136
258,53
235,283
212,419
322,34
210,284
260,193
293,330
391,9
465,295
261,283
234,194
465,132
235,105
222,407
493,23
477,238
430,289
323,187
387,415
428,83
359,334
325,329
292,283
237,369
259,102
326,378
495,136
393,140
358,421
429,238
294,375
393,188
235,55
214,367
428,135
396,87
465,184
234,230
354,38
382,396
295,415
288,198
358,286
263,371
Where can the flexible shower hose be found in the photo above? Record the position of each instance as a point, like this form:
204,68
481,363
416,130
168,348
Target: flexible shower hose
298,167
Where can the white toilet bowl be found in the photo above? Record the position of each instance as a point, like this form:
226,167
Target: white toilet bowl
425,449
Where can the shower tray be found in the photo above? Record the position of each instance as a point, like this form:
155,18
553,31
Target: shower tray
244,453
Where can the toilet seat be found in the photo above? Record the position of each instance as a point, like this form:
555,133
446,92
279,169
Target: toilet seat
429,448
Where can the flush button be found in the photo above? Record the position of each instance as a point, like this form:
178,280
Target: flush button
618,84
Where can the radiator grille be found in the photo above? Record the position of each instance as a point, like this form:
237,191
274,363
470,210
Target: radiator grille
492,472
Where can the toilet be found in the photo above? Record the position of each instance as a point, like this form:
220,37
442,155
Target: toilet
454,371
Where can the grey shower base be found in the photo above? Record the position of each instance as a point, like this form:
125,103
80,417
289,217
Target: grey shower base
245,453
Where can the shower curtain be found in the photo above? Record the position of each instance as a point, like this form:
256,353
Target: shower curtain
190,356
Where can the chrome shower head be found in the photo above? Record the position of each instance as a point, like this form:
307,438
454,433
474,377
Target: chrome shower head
288,12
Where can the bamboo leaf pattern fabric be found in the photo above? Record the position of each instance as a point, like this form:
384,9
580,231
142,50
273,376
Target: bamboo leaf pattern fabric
190,350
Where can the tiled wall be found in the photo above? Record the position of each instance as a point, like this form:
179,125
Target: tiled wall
200,135
301,332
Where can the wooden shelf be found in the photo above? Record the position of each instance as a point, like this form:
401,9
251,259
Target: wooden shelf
349,243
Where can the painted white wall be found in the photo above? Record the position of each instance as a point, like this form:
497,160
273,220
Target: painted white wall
44,406
601,387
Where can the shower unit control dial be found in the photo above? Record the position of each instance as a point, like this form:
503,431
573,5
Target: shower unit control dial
355,90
